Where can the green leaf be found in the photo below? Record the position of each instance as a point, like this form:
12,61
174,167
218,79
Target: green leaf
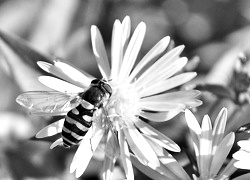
23,50
20,62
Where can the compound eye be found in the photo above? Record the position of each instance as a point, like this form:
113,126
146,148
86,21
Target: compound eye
95,81
108,88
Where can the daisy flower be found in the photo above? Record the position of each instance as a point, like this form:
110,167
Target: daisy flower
139,91
210,146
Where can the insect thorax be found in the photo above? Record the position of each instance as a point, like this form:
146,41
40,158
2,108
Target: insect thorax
94,95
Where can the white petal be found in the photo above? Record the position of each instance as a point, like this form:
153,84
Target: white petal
165,72
50,68
132,51
160,106
221,153
157,136
193,125
160,116
125,156
116,49
228,170
158,87
74,74
56,143
112,145
242,155
108,167
159,172
167,144
195,177
51,129
205,146
219,128
174,166
57,71
37,113
59,85
245,145
126,28
120,37
150,57
195,132
176,170
242,165
162,73
100,52
166,66
140,146
84,153
173,97
152,173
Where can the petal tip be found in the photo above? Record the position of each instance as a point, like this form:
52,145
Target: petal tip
72,169
224,110
176,148
93,30
187,111
126,18
38,135
39,63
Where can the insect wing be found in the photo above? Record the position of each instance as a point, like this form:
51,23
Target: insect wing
48,102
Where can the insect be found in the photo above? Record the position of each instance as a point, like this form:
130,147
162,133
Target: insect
79,108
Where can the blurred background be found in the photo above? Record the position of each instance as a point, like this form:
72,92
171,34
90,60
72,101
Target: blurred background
214,32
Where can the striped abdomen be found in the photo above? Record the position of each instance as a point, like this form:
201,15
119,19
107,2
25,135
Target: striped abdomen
76,125
79,120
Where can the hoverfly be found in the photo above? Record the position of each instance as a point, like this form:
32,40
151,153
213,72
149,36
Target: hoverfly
79,108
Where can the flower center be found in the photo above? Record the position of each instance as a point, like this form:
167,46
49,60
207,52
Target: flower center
122,105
